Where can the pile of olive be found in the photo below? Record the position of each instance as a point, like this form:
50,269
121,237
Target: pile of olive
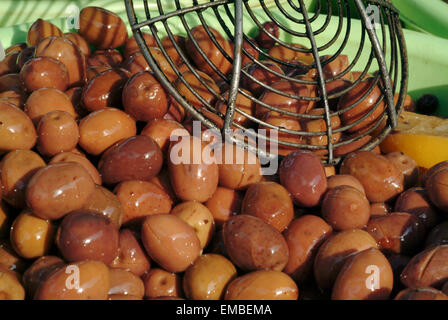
93,206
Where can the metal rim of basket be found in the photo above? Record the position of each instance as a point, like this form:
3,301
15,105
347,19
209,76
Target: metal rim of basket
385,75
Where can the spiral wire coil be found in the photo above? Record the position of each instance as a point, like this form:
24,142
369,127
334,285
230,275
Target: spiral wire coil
389,53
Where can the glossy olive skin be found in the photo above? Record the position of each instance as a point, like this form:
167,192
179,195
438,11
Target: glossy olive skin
10,259
224,204
304,236
253,244
82,160
303,175
58,189
136,158
283,122
345,180
57,132
437,188
31,237
207,277
17,168
208,95
79,41
93,282
45,100
39,271
209,49
75,95
440,166
125,283
427,269
398,232
380,178
262,285
192,181
416,202
9,64
10,286
101,129
283,53
87,236
355,282
348,117
438,235
170,242
41,29
131,46
144,97
408,167
105,90
379,209
335,251
263,39
242,103
102,28
421,294
131,255
161,283
17,131
140,199
68,53
44,72
197,216
110,58
270,202
345,208
160,130
25,55
262,73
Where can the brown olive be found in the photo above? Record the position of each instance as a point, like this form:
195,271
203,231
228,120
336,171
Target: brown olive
160,130
192,178
105,203
10,286
57,132
40,30
335,251
31,237
379,209
140,199
208,49
102,28
242,103
58,189
263,73
105,90
350,147
136,158
298,52
125,283
16,98
416,202
9,258
18,47
10,82
101,129
25,55
84,235
263,39
398,232
131,255
45,100
262,285
44,72
304,236
438,235
437,188
110,58
171,50
407,166
253,244
79,41
381,179
131,46
345,180
93,71
208,277
209,95
362,107
84,280
9,63
68,53
436,168
136,63
163,181
333,68
75,95
161,283
421,294
144,98
17,168
427,269
5,219
366,275
39,271
224,204
82,160
170,241
345,208
303,175
270,202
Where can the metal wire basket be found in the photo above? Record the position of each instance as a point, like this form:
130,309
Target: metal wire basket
380,47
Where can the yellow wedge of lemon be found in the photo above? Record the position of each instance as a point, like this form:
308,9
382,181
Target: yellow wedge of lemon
423,138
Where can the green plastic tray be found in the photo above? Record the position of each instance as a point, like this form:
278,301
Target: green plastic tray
427,54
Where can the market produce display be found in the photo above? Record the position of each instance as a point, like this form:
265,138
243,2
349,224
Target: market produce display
96,205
